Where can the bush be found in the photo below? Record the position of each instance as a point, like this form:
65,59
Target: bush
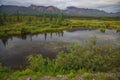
37,63
4,72
87,76
81,71
71,74
92,58
40,64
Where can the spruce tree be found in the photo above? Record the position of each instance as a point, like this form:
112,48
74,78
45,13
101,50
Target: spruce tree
1,20
29,19
4,16
18,16
60,19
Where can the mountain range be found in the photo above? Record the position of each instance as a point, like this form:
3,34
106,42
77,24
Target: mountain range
69,11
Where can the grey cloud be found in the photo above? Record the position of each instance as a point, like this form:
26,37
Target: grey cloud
110,7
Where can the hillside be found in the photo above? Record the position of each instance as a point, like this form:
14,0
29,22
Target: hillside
69,11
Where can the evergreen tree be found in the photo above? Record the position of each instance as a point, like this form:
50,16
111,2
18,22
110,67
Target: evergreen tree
51,17
1,20
18,16
60,19
4,16
29,19
44,17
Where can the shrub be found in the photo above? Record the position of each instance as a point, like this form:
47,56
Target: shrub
81,71
87,76
37,63
71,73
4,72
92,58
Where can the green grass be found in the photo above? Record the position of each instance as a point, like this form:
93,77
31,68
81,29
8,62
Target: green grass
12,27
35,25
87,76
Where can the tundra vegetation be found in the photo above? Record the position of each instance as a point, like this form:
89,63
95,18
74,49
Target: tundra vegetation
92,61
19,24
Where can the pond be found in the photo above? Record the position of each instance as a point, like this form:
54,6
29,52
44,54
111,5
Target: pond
14,50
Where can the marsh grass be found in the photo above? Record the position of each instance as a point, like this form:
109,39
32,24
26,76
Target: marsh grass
35,24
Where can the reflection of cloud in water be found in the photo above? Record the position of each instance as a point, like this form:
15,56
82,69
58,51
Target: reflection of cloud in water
107,37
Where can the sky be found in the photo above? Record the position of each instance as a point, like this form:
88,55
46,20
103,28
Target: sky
106,5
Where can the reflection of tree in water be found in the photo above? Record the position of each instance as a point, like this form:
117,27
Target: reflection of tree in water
6,37
31,37
62,33
102,30
59,34
4,40
51,35
23,36
45,36
24,33
80,29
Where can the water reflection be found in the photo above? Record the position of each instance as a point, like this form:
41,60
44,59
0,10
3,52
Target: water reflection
17,48
56,35
102,30
5,39
80,29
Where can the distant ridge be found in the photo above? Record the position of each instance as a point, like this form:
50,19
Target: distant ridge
70,11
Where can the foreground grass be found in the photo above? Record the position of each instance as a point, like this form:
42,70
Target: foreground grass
98,62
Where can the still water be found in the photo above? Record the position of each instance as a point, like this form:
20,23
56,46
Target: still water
14,50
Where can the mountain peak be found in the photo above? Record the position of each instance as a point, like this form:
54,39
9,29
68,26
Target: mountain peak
71,10
72,7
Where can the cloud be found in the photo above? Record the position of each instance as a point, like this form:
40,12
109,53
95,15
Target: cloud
110,7
107,5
